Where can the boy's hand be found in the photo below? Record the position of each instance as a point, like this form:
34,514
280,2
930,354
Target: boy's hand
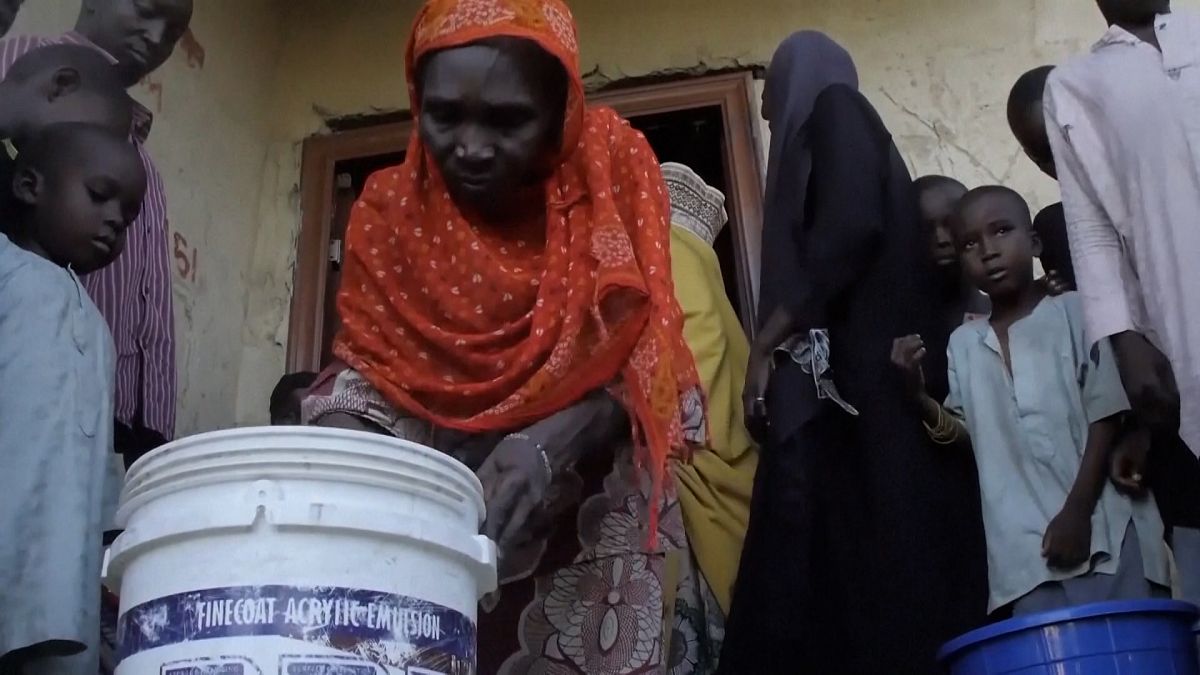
907,354
1054,284
1067,543
1127,465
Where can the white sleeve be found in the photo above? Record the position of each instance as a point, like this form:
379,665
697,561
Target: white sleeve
1102,268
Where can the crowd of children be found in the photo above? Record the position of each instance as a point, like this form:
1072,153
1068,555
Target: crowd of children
1082,473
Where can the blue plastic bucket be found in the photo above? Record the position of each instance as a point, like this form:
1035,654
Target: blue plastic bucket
1143,637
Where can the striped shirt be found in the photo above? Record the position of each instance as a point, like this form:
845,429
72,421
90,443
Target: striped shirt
134,293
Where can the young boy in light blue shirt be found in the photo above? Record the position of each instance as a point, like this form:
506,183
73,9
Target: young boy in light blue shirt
1041,409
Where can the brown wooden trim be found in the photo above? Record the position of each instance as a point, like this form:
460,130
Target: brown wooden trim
733,92
320,157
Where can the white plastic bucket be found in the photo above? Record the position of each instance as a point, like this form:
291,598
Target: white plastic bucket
299,551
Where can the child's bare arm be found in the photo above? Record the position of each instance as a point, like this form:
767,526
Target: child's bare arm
1089,484
943,426
1068,540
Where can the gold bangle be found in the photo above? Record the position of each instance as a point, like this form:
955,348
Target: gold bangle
946,431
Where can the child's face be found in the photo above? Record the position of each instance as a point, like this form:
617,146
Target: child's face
996,245
86,204
937,207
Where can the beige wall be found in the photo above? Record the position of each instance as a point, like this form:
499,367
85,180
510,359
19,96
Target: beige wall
228,136
938,70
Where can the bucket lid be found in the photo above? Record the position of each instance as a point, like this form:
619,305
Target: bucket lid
1117,608
177,461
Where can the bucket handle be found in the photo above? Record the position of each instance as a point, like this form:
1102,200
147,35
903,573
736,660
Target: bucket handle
477,550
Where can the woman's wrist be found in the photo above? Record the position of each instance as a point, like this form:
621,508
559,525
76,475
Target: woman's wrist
563,437
540,448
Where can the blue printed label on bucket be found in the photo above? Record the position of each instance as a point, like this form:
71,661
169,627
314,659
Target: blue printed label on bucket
327,668
221,665
367,628
227,669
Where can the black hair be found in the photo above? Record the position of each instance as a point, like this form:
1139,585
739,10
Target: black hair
999,191
1051,227
1027,94
935,182
285,390
99,72
49,148
57,143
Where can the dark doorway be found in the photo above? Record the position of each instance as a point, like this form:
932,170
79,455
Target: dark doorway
351,178
696,138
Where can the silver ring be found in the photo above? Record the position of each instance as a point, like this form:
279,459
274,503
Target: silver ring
549,468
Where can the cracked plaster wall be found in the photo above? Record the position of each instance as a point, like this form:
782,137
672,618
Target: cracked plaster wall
228,134
938,70
212,130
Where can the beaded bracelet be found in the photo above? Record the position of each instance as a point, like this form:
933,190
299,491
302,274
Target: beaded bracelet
541,452
945,432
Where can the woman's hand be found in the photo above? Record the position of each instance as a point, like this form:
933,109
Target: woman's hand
1067,543
754,395
516,477
1149,382
778,326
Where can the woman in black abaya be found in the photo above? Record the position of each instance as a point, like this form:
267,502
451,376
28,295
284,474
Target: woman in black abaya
865,550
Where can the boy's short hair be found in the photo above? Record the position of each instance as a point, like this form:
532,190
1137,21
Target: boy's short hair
94,71
936,182
98,70
998,192
50,145
1026,117
1028,92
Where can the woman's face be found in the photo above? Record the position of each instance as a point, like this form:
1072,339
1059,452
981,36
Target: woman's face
491,122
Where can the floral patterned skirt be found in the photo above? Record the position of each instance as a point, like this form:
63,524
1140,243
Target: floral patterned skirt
587,594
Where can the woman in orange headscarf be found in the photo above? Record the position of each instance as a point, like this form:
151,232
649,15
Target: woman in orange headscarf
507,298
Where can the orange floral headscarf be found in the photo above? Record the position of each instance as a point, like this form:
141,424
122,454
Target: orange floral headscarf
482,329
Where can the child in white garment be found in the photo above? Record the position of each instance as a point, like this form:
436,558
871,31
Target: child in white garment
1041,409
74,190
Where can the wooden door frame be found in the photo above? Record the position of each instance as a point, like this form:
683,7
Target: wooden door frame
321,155
732,92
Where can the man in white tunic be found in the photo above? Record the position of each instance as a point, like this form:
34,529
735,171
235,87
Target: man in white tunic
1124,125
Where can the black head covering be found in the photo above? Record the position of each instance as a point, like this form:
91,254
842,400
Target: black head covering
804,65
